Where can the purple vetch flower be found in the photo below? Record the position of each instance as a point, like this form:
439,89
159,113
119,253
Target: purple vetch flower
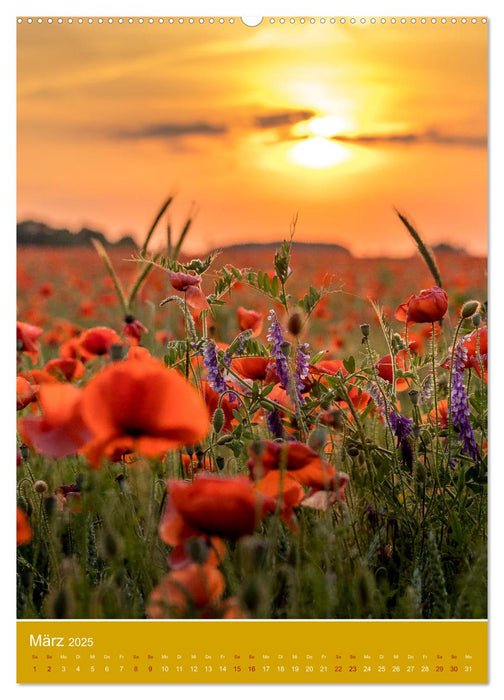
402,427
373,389
280,345
275,424
301,370
211,362
426,389
460,405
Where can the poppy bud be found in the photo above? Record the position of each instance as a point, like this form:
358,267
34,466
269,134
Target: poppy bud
476,320
225,439
40,487
295,323
353,451
218,420
317,439
221,462
469,308
116,352
197,549
414,396
25,451
365,329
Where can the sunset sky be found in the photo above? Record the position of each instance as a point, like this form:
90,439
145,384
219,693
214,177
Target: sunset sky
337,124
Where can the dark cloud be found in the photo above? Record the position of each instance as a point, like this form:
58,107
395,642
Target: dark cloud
173,130
278,119
431,136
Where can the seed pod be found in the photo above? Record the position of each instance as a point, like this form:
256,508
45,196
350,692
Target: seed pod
365,329
295,323
469,308
40,487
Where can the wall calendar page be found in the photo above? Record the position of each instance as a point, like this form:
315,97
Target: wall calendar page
252,350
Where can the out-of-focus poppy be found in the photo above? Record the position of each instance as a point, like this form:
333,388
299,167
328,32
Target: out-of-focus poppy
23,528
46,290
442,414
60,431
68,497
428,306
195,464
38,376
188,592
190,285
133,329
137,352
65,369
25,392
97,341
143,406
250,320
26,336
301,463
228,507
70,348
86,309
384,369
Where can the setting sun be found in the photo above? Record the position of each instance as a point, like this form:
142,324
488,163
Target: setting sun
318,152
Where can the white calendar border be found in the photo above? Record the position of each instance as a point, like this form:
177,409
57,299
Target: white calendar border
496,259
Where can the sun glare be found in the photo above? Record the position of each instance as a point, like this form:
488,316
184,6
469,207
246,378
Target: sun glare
318,152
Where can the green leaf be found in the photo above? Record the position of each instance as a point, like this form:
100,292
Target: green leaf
349,364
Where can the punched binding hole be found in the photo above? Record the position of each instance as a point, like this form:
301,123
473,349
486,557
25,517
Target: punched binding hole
251,21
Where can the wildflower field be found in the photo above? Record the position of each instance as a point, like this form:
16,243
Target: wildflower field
261,433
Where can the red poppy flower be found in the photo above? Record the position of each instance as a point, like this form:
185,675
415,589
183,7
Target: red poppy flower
137,352
97,341
442,414
475,361
190,284
255,368
70,348
65,369
87,308
46,290
250,320
221,506
193,465
301,462
133,330
60,431
25,392
23,529
192,590
359,398
385,370
427,307
26,336
142,406
38,376
68,497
